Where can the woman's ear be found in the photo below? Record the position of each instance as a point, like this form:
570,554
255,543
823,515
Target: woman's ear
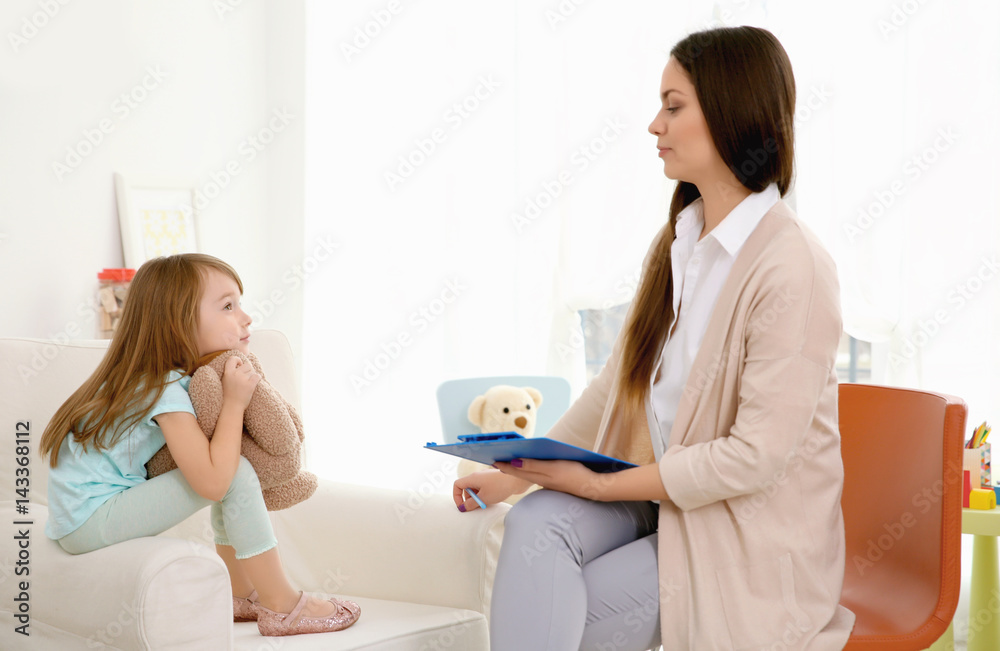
535,394
476,411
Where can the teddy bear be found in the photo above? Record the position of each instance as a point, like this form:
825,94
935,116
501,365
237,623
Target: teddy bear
503,408
272,432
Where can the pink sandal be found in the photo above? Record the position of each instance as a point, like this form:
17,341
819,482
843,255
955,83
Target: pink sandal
271,623
244,608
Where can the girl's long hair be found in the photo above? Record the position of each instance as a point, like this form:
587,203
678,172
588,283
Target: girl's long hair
746,89
157,334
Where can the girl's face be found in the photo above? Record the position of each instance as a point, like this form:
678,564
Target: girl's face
222,323
682,135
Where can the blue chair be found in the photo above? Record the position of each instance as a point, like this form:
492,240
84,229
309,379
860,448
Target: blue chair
455,396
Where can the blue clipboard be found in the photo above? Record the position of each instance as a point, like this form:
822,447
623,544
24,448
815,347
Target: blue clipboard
505,446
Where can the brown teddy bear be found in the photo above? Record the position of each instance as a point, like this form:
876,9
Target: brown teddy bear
272,433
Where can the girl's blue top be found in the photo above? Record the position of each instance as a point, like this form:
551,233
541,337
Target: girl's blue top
82,481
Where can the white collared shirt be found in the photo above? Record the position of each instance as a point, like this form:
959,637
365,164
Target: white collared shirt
700,269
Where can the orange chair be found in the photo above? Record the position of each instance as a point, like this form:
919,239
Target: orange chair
902,504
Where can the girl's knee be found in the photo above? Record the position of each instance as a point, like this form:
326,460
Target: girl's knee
245,473
245,466
70,548
80,542
244,481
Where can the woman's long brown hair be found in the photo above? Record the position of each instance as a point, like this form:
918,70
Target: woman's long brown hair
157,334
746,89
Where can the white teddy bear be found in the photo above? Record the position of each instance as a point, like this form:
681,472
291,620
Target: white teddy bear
503,408
506,409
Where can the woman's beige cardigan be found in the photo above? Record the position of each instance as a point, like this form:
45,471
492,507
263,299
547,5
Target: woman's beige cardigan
751,541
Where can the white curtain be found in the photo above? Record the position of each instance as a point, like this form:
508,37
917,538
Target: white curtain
896,172
486,172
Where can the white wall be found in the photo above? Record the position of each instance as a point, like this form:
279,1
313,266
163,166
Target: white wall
220,76
474,110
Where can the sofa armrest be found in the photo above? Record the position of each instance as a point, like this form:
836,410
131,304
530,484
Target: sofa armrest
146,593
391,544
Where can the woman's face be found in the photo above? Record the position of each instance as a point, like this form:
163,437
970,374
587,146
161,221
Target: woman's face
682,135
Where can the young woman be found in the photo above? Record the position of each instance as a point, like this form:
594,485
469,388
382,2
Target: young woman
179,308
721,387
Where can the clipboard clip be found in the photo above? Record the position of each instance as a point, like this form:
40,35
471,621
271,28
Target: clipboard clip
498,436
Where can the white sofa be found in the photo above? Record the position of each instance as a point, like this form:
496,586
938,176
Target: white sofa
422,572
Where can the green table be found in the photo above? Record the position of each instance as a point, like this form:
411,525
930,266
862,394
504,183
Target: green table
984,599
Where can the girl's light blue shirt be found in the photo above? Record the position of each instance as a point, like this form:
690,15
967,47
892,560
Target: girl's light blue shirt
82,481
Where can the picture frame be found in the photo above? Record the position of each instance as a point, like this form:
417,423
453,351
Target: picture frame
156,217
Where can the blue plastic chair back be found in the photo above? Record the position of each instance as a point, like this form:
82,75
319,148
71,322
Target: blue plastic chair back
455,396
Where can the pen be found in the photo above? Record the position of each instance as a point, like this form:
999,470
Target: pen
476,497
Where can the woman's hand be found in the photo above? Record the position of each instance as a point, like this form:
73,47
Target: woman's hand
239,380
490,486
560,475
631,484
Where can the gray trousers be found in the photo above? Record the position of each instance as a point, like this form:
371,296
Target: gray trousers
576,574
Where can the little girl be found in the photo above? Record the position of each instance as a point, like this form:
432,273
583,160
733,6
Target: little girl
179,308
